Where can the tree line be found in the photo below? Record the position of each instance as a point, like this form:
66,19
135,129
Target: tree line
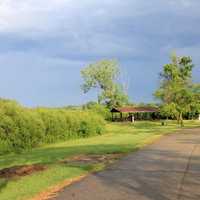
176,96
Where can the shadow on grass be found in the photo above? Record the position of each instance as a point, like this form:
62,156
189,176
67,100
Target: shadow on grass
51,155
3,183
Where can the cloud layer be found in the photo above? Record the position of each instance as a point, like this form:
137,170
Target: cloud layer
44,44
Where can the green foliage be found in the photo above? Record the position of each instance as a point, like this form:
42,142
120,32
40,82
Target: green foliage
19,127
169,110
99,109
103,76
116,97
120,138
176,91
195,105
23,128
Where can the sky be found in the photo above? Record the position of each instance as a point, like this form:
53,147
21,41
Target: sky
44,45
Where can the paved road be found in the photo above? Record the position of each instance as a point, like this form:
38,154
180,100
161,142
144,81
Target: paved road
166,170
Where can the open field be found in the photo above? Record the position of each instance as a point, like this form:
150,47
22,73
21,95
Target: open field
119,138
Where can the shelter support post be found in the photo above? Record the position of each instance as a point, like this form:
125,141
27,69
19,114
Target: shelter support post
121,116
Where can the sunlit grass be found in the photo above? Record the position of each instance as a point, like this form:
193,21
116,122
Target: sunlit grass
26,187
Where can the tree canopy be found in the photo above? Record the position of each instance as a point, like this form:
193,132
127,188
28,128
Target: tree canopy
103,76
177,92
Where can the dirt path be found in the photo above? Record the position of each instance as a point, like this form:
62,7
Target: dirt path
166,170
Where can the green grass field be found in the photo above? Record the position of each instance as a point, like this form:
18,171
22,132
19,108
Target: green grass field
119,138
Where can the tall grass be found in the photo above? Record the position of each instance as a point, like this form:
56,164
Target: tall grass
23,128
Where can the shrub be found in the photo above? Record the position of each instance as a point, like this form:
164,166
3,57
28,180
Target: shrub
20,128
23,128
99,109
65,124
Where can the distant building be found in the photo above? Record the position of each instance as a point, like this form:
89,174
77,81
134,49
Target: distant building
130,113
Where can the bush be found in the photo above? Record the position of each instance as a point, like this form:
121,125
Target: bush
20,128
23,128
99,109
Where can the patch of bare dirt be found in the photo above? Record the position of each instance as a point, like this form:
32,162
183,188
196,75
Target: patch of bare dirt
92,159
76,160
53,191
19,171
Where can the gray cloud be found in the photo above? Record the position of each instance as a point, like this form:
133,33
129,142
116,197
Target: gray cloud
44,44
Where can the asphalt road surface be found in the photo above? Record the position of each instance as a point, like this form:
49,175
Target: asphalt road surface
166,170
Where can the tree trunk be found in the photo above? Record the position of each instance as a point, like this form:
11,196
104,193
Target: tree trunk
178,119
181,119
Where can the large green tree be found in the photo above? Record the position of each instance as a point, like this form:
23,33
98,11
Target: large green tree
104,76
195,106
177,92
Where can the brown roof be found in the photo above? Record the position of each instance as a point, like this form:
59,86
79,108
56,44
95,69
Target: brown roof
134,109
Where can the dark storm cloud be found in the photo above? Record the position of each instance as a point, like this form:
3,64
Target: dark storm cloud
43,48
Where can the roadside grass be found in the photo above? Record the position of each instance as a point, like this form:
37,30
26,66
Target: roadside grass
119,138
28,186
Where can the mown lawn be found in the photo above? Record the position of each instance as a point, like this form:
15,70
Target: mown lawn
119,138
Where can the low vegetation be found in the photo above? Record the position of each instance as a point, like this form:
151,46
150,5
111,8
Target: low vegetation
120,138
22,128
98,109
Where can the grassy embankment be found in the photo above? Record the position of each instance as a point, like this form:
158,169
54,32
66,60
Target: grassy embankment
119,138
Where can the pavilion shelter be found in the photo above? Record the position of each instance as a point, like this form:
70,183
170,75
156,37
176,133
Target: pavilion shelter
130,113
